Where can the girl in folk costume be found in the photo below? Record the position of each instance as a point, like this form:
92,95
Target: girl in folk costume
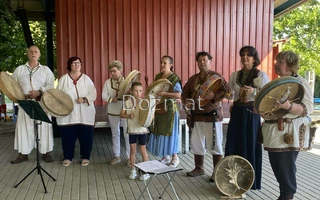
165,131
242,136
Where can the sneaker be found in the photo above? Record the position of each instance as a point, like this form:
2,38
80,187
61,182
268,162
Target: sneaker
115,160
165,160
133,174
144,177
174,162
66,162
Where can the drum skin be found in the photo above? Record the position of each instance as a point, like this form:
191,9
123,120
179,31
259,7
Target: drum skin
234,175
212,84
283,88
11,87
160,85
56,102
147,108
125,85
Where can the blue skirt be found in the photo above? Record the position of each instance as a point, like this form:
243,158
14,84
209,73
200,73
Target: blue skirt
160,145
242,139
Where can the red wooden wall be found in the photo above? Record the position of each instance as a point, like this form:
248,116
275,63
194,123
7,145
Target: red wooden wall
139,32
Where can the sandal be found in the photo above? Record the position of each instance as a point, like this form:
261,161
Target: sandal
84,162
174,162
165,160
66,162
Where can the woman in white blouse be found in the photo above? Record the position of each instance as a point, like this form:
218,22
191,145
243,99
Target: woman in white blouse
79,124
242,136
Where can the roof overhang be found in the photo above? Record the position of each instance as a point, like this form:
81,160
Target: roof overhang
35,9
283,6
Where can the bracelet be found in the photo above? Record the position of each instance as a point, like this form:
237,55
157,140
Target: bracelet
290,107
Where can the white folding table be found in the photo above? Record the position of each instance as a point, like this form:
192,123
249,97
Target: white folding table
155,168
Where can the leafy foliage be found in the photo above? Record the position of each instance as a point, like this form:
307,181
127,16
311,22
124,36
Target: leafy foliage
302,29
13,46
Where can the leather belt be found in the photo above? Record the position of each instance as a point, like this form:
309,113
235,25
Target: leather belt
287,120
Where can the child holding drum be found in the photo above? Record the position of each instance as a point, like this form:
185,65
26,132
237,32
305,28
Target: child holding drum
130,110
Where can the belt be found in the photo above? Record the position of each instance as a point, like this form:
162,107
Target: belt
212,113
287,120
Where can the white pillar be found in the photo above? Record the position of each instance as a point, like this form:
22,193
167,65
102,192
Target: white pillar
311,78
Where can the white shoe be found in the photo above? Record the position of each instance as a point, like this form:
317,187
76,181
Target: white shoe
144,177
115,160
165,160
174,162
133,174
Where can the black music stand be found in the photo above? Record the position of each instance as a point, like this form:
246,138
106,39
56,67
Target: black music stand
35,112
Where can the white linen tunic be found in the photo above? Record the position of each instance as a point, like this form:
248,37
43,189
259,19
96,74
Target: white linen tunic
24,141
82,113
110,89
273,139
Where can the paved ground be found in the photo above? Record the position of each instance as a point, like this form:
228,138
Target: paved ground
102,181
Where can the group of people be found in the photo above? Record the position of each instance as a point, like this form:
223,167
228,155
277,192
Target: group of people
244,128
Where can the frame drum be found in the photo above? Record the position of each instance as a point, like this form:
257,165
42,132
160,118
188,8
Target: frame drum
56,102
212,84
125,85
147,108
282,89
160,85
11,87
234,175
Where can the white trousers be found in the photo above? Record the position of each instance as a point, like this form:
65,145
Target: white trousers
25,140
202,138
115,123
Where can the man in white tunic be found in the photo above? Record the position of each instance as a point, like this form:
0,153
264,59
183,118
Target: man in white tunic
34,79
110,95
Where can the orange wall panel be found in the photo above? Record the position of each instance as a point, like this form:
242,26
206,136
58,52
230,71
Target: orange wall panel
140,32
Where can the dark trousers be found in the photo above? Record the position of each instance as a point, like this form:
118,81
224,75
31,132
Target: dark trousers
284,168
69,136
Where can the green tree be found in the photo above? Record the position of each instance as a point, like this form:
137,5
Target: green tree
302,29
13,45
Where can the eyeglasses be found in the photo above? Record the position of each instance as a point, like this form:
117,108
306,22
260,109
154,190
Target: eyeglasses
76,63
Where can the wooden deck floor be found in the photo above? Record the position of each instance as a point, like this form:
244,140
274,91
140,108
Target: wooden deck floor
102,181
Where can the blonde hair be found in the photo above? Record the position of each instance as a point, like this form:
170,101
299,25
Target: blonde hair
291,58
116,64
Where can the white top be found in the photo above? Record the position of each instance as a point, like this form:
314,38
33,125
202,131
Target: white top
133,124
42,78
236,88
273,139
82,113
110,90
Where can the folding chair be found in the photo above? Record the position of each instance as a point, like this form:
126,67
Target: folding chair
155,168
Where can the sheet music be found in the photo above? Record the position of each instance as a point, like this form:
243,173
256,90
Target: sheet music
154,166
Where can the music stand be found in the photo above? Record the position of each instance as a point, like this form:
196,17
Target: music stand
35,112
